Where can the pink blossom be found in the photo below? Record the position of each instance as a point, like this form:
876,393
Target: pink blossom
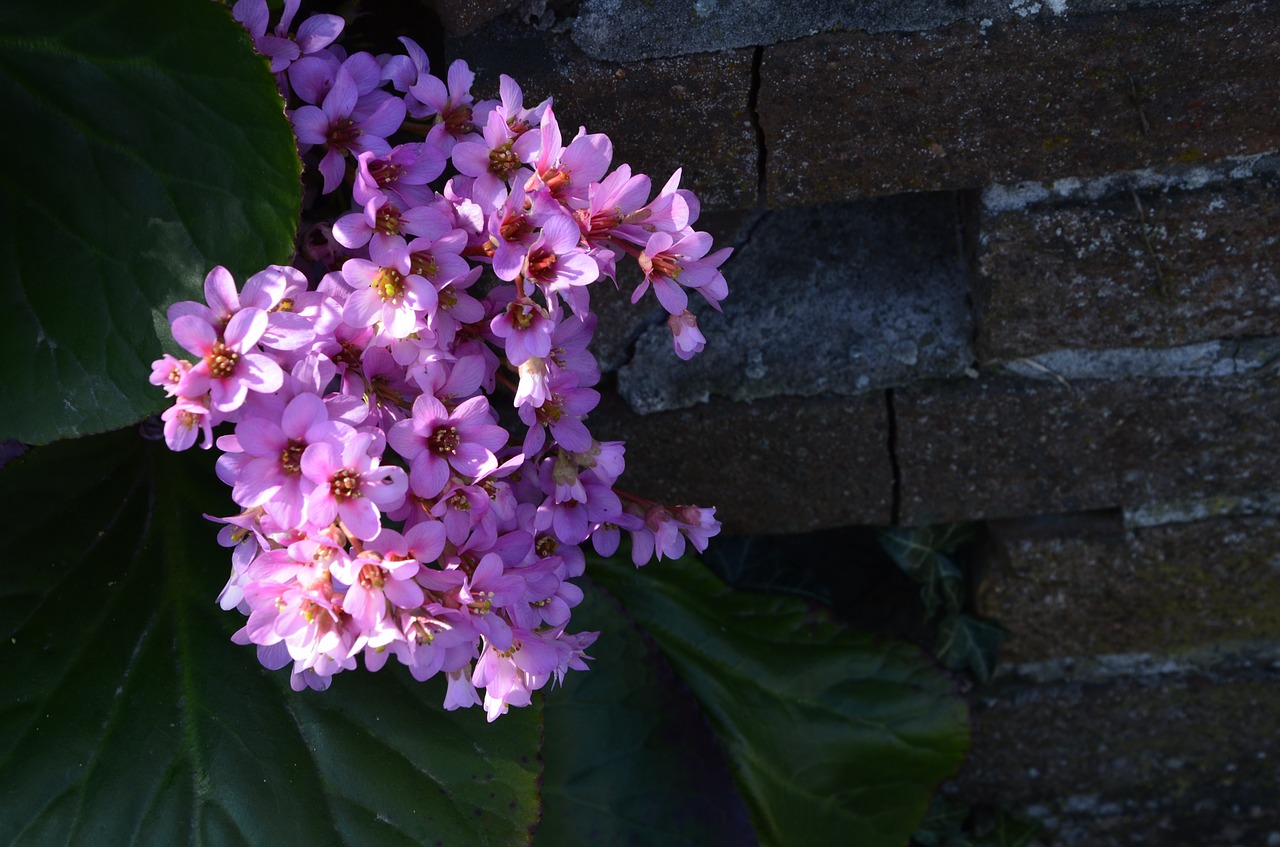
350,486
228,368
434,440
686,336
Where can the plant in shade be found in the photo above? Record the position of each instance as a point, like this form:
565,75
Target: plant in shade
358,389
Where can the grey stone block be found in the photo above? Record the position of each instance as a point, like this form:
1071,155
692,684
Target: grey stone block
840,299
1080,586
1153,258
606,28
997,447
767,467
853,114
1182,759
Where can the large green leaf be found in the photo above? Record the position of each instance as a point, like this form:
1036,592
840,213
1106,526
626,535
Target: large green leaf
129,718
834,737
154,146
630,760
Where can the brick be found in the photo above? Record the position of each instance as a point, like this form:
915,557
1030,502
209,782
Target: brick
1171,263
1180,760
842,299
856,114
781,466
1083,585
999,447
462,18
689,112
607,30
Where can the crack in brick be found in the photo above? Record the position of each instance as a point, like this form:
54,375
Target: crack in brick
753,107
895,508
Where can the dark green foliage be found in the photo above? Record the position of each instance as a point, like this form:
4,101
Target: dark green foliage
157,148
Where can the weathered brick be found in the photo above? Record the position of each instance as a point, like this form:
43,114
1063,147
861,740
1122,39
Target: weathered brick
1181,759
462,18
998,447
1100,264
1083,585
782,466
689,112
606,28
856,114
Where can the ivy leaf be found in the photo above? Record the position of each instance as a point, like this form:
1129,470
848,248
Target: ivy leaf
914,548
629,758
833,737
921,553
966,641
158,148
943,588
1008,831
129,717
943,822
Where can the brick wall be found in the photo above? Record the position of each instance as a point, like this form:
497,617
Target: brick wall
1012,262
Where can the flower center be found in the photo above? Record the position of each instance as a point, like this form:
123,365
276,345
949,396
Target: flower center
384,172
521,318
663,264
389,283
291,458
345,484
222,361
503,161
343,133
458,120
423,264
513,226
372,576
545,546
388,220
444,440
542,264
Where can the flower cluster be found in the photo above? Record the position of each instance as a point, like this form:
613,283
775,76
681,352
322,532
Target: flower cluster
387,508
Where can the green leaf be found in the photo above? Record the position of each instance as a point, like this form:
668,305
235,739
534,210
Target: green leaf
629,758
156,147
914,548
921,553
833,737
130,718
943,821
943,588
1008,831
771,564
966,641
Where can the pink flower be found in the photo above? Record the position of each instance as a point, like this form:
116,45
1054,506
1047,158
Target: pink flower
435,440
314,34
378,586
268,472
184,421
346,122
666,259
349,485
685,335
386,290
228,369
525,329
452,103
